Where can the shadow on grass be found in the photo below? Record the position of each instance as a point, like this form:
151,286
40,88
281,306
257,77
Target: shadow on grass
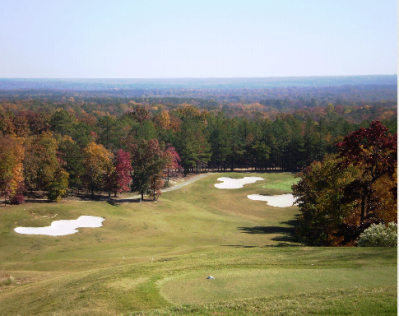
287,233
126,201
285,244
239,246
111,201
37,201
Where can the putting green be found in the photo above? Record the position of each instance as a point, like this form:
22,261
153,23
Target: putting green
283,183
194,288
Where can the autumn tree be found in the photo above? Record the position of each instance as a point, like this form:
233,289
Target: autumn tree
173,161
120,178
7,123
11,166
21,125
38,122
374,151
163,121
139,114
319,195
98,166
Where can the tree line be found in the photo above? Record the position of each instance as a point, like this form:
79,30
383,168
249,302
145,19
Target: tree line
61,149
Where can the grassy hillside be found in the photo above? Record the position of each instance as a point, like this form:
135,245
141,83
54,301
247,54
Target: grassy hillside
153,258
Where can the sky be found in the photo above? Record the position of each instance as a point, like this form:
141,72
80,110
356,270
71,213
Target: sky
197,38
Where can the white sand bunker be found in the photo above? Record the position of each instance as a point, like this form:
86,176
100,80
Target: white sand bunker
63,227
283,200
230,183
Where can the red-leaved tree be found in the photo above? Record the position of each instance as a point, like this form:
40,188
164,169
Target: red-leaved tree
374,151
123,167
174,161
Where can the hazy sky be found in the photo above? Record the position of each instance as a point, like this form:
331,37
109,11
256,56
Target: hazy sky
190,38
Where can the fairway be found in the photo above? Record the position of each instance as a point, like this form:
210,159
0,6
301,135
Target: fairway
152,257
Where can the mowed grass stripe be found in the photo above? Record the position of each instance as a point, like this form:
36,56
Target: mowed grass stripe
356,302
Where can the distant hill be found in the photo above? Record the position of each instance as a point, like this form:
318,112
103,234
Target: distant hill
194,83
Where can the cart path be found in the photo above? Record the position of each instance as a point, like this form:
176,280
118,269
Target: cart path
177,186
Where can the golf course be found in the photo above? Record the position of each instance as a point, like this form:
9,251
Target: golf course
154,258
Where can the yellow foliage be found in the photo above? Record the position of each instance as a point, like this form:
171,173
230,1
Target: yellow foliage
97,161
11,163
67,138
387,200
163,120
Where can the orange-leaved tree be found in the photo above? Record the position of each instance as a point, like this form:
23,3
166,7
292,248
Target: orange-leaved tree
11,166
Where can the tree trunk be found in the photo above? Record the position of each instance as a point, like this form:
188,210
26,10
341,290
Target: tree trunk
363,209
363,205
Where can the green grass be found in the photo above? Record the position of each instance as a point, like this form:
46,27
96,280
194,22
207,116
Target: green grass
190,233
281,182
356,302
229,284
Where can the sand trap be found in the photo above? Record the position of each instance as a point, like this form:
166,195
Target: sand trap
283,200
63,227
229,183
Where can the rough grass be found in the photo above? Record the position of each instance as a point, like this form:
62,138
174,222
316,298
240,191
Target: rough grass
191,233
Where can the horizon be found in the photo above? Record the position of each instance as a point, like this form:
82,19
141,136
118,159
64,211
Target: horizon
86,84
166,78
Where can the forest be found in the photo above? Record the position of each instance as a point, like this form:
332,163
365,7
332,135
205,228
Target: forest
59,142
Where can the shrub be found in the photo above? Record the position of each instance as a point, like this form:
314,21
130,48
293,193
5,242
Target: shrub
17,199
379,236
